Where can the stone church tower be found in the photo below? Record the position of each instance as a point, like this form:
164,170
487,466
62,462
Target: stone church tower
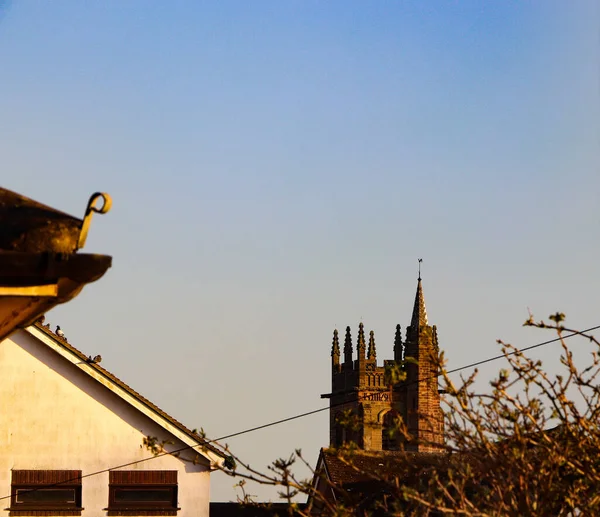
361,386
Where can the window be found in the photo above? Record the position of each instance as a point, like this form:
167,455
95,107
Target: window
142,492
45,492
390,438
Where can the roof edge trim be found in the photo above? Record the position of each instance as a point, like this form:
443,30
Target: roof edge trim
96,373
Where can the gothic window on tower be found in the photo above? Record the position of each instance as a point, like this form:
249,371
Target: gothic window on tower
358,427
389,432
348,428
338,432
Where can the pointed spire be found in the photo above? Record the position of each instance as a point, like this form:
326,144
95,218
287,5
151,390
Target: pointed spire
371,354
348,347
419,315
398,346
435,338
361,345
335,348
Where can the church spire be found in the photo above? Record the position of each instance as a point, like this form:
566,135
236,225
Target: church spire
419,315
348,347
398,346
335,349
361,344
371,354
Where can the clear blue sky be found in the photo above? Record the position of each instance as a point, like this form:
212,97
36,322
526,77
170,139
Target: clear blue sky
277,167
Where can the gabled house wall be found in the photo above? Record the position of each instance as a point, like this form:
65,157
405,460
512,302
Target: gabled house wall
54,415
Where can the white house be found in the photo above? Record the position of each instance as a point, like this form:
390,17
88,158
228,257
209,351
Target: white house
71,439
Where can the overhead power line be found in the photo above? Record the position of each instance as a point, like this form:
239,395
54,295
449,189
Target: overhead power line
314,411
455,370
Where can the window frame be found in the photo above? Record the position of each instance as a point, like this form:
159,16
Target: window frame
132,480
39,480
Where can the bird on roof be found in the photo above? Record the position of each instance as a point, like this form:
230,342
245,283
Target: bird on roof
96,359
60,333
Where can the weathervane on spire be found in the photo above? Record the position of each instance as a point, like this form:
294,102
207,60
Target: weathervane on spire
420,260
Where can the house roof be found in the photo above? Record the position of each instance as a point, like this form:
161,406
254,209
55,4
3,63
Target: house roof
253,509
194,439
29,226
343,469
364,479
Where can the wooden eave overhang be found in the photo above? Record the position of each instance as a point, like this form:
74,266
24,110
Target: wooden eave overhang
32,283
39,263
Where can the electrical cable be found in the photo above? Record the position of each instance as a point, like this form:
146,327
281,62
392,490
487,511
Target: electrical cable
308,413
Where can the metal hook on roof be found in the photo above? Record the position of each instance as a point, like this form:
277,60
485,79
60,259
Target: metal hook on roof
91,208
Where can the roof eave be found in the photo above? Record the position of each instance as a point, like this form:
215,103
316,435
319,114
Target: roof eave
33,283
39,264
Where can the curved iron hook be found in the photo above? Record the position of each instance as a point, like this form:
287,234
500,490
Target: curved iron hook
91,208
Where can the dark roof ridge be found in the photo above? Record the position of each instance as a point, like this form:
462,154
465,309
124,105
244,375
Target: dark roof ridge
382,453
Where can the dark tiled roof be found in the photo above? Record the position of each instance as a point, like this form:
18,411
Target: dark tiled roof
29,226
250,510
363,466
370,482
67,346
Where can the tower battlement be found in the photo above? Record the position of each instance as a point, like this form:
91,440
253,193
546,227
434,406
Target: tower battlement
360,372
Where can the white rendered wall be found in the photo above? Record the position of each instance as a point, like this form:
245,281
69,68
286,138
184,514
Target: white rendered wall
54,416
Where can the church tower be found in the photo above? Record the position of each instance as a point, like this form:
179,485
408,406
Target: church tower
364,404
